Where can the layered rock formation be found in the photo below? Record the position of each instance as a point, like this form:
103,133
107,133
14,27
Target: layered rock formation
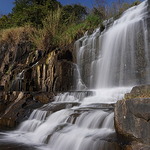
132,119
35,73
17,106
132,114
31,78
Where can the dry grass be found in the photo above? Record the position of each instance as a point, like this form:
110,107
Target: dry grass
54,33
42,39
52,22
14,35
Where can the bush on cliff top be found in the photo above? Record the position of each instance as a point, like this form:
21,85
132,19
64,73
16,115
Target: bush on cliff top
14,35
48,24
54,33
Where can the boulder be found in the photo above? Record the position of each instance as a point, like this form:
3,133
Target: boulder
132,117
142,91
16,107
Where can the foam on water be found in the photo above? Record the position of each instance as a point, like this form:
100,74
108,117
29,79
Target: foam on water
106,63
110,59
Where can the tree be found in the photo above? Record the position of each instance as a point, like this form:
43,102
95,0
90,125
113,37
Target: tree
119,6
5,21
32,11
73,13
100,9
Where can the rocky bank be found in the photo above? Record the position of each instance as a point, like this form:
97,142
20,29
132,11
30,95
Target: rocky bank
132,119
30,78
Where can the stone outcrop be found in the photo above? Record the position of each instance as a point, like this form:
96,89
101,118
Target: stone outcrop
48,74
132,118
24,69
17,106
37,74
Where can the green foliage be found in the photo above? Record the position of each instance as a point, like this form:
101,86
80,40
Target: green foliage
52,21
60,27
45,38
49,24
93,21
32,11
116,9
70,34
5,22
53,24
73,13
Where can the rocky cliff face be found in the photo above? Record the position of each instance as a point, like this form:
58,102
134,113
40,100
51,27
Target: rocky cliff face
38,75
25,70
132,114
48,74
17,106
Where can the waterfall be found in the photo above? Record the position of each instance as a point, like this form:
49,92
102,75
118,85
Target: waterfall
76,128
118,56
110,62
17,83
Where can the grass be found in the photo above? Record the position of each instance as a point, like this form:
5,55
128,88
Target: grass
16,34
54,33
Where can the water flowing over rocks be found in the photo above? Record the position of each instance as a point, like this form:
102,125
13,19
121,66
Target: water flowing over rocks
23,69
50,92
48,74
119,56
37,74
15,107
60,121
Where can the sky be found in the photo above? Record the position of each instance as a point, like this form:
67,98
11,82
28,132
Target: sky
7,5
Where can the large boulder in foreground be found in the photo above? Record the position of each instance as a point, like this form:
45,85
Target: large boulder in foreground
132,118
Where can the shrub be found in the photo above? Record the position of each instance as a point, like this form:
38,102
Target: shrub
16,34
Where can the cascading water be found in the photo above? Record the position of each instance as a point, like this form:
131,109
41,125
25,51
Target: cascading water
119,56
17,82
71,128
84,120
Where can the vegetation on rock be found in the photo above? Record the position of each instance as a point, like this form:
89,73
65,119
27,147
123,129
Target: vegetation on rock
52,25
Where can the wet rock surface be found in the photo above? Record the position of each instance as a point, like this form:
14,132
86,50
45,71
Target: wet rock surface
17,106
142,91
132,117
37,74
48,74
25,69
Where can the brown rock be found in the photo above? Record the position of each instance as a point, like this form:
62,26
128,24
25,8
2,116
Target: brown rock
137,146
142,91
44,97
16,107
132,116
